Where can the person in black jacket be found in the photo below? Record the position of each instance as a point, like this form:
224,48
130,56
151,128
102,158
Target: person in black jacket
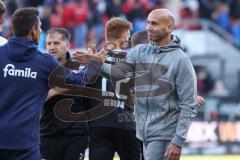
61,140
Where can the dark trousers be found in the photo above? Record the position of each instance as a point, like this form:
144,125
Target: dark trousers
63,147
104,142
28,154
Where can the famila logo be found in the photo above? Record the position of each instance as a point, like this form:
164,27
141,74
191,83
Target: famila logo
9,70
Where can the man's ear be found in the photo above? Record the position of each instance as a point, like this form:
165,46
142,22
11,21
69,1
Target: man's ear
170,28
30,32
34,29
68,45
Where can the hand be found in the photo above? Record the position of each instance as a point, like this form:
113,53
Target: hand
84,57
200,101
51,93
100,56
81,57
173,152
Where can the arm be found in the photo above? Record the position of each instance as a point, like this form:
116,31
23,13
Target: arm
62,76
90,72
118,71
121,70
86,75
187,92
51,93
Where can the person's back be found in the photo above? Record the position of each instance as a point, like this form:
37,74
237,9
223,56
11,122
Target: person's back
24,85
23,90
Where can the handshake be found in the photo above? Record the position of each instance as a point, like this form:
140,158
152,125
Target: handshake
83,57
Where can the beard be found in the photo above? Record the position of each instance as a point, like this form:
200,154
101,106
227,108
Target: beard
157,37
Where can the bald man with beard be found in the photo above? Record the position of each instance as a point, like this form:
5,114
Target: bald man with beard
165,88
173,109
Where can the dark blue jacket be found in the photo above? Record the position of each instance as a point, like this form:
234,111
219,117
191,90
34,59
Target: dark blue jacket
23,90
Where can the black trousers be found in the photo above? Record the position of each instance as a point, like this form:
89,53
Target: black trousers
62,147
104,142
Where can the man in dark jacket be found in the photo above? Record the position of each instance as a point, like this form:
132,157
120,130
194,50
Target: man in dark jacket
71,137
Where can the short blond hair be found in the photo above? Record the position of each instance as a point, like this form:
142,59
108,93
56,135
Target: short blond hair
115,27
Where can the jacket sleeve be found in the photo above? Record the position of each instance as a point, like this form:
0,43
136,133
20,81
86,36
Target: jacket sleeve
61,75
85,76
120,70
187,92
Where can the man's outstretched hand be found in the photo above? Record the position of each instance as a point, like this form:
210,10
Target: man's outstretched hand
83,57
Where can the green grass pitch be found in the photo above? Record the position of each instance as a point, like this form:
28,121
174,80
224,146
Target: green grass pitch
200,157
219,157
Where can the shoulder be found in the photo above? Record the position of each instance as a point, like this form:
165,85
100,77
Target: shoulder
48,59
180,55
141,48
182,60
44,55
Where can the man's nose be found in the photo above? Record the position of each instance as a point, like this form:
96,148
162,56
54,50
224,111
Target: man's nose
148,27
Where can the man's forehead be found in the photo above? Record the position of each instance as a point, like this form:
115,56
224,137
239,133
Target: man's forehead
55,37
52,37
153,17
161,15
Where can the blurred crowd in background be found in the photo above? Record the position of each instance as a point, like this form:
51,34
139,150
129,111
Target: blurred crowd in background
225,13
85,19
